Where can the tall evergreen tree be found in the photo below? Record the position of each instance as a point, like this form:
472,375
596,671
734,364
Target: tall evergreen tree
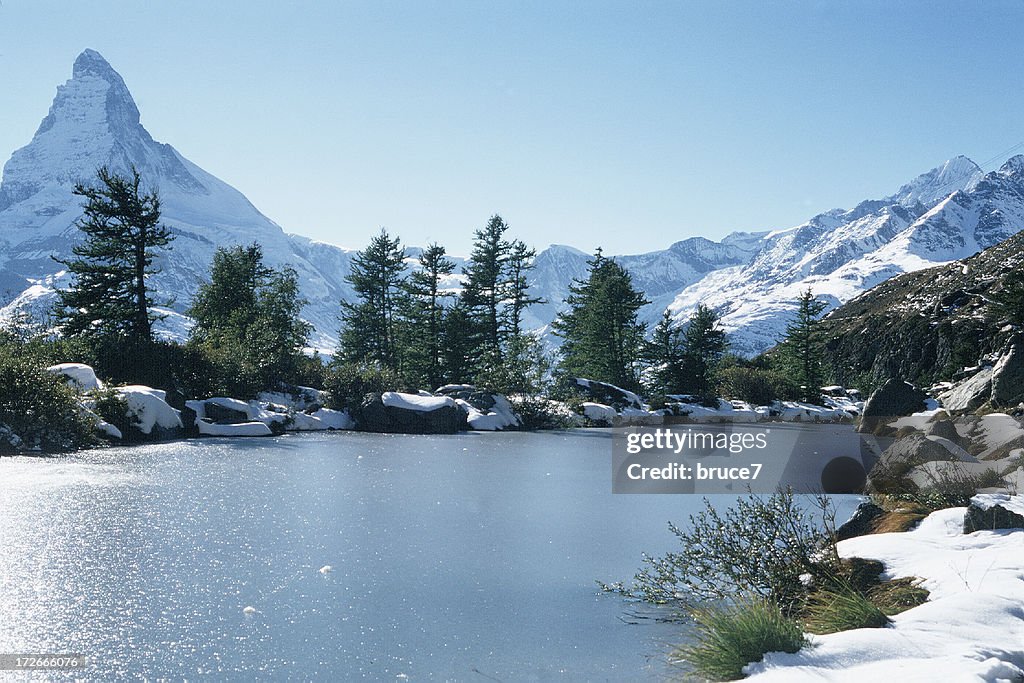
601,334
108,299
664,357
517,288
368,330
423,317
483,291
248,322
703,346
801,354
226,305
457,347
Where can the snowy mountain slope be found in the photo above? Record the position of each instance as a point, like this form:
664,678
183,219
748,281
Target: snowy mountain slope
840,254
94,121
659,274
753,279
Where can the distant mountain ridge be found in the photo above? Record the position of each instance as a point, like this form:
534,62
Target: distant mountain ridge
752,279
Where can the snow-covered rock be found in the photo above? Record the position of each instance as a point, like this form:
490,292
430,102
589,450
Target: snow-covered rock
599,413
397,412
334,419
223,411
990,511
81,376
498,417
149,412
608,394
236,429
416,402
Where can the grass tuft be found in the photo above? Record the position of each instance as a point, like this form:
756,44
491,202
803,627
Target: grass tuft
730,637
898,595
841,608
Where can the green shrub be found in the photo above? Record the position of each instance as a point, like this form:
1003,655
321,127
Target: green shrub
841,608
38,410
761,547
538,413
348,384
732,636
113,408
757,386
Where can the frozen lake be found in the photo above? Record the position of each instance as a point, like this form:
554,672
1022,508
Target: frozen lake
468,557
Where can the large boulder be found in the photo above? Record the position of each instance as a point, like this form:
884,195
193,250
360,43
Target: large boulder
227,411
1008,375
607,394
890,473
395,412
989,511
945,429
861,523
482,401
969,394
151,418
78,375
893,399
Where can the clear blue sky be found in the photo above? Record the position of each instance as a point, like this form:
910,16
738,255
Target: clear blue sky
629,125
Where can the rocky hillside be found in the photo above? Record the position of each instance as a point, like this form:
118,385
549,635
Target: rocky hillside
927,326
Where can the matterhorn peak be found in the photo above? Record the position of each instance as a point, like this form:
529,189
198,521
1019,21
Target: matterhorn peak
91,63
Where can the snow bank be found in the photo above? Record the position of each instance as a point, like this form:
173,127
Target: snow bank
148,408
971,628
415,402
79,374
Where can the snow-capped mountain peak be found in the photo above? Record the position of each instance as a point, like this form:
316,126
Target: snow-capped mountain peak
938,183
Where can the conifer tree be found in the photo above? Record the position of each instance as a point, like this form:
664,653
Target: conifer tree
602,337
495,296
423,317
457,347
801,354
664,356
703,346
377,275
109,300
248,322
517,288
483,291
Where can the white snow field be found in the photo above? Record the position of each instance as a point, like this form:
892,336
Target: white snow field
970,629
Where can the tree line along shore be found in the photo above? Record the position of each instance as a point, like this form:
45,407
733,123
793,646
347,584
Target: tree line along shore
413,327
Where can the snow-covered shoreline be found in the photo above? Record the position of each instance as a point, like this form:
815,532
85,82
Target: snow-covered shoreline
971,628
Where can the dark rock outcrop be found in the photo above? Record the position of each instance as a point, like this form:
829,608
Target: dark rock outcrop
1008,375
606,394
994,511
223,415
861,521
893,399
374,416
889,474
481,400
